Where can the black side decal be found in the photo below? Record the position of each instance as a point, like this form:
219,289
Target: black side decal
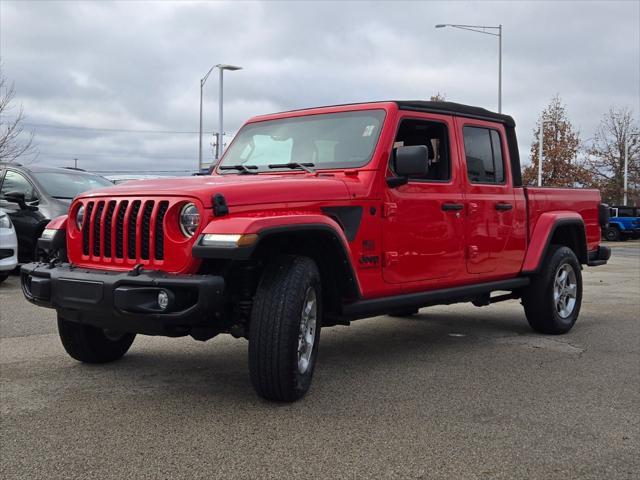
348,218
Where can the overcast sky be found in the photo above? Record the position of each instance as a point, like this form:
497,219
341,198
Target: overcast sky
137,66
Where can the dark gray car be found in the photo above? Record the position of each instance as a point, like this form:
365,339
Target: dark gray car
33,195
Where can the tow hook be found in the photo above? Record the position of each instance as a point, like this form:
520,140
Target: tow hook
135,271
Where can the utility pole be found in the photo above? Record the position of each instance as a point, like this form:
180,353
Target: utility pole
216,136
626,167
540,146
75,165
540,142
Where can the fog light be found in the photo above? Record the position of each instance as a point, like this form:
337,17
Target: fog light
163,299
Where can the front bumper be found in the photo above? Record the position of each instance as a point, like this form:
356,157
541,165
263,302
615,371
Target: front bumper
126,301
8,250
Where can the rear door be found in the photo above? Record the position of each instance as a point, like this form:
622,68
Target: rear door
423,228
489,195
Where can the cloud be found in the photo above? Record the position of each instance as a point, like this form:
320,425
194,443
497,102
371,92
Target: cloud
137,65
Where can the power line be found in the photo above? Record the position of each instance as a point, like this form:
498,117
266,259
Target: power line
115,155
141,171
97,129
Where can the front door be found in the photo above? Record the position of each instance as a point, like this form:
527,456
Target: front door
489,196
423,230
27,221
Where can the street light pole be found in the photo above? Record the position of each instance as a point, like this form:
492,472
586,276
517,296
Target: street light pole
541,140
222,68
500,68
483,29
203,80
540,147
220,115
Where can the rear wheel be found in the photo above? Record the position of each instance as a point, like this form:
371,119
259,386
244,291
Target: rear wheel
285,328
89,344
553,299
612,234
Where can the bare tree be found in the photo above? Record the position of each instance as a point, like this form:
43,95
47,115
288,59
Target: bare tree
605,156
439,97
561,143
14,141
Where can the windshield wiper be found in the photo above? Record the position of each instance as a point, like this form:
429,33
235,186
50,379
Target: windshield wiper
62,198
303,166
241,167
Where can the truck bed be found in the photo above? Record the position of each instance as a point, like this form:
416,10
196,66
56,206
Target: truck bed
583,201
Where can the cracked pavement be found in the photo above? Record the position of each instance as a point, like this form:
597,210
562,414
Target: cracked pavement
454,392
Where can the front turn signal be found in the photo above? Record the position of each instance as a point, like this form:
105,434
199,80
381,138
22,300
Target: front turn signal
221,240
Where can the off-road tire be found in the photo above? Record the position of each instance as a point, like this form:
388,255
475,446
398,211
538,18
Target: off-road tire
612,234
538,298
275,326
89,344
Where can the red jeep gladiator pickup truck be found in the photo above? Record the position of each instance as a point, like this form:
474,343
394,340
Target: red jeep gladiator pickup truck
315,218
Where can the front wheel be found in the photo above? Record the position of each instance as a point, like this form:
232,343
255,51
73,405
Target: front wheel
89,344
285,328
552,301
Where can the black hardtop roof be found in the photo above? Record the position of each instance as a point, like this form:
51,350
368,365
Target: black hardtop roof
457,109
444,108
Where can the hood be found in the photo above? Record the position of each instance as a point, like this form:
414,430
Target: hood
237,189
54,207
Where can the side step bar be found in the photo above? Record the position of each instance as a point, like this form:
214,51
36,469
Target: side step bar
446,296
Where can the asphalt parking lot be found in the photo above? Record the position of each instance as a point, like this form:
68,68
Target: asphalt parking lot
456,392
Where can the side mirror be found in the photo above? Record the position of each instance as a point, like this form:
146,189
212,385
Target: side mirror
409,161
16,197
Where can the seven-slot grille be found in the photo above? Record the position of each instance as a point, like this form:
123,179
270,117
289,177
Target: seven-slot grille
124,229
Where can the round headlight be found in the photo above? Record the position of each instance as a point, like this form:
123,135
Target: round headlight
80,217
189,219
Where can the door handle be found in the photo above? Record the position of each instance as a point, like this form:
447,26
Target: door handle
452,206
503,206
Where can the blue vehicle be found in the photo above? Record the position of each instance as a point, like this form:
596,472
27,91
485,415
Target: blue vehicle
624,223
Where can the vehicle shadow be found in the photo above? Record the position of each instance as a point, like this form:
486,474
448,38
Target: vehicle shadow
218,370
386,336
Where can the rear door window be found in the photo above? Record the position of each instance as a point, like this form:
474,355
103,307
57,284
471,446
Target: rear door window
483,151
625,212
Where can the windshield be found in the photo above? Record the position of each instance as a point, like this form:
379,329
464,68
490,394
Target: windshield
69,185
333,140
